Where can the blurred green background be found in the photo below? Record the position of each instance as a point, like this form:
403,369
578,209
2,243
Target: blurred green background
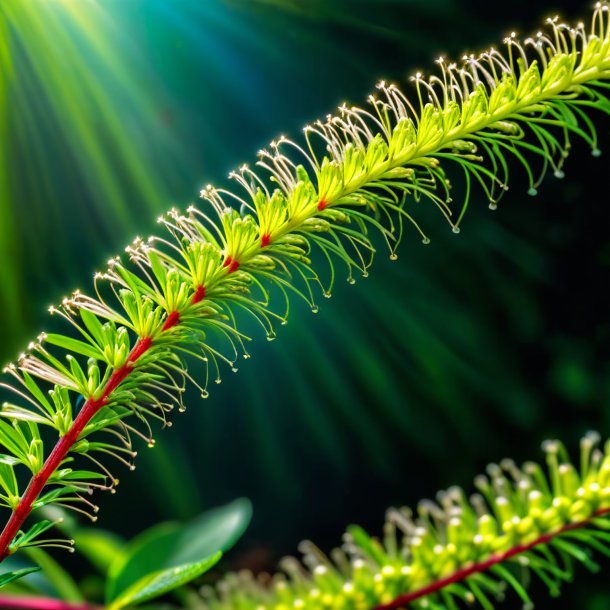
468,350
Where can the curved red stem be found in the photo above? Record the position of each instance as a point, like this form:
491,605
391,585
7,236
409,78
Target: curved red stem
64,444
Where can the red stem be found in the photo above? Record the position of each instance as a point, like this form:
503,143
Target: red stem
22,602
65,443
57,455
403,600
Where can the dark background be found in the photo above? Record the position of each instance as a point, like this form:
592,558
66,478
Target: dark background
473,348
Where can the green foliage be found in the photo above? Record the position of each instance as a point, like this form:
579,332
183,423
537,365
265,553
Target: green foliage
156,584
168,553
11,576
180,297
157,561
520,522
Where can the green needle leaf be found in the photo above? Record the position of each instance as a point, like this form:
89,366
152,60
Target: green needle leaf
10,576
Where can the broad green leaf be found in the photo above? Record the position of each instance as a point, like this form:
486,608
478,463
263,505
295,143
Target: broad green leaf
171,545
161,582
143,555
10,576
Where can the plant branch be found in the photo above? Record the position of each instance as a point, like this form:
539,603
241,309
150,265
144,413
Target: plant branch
63,446
402,601
460,549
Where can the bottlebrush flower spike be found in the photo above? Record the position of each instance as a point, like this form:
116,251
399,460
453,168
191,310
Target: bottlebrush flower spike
180,295
521,521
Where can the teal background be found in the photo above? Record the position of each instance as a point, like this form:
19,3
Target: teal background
465,351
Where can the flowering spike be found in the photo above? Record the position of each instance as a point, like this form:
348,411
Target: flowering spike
441,554
179,294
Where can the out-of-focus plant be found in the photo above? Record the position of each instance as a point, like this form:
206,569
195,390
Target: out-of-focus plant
155,562
522,521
